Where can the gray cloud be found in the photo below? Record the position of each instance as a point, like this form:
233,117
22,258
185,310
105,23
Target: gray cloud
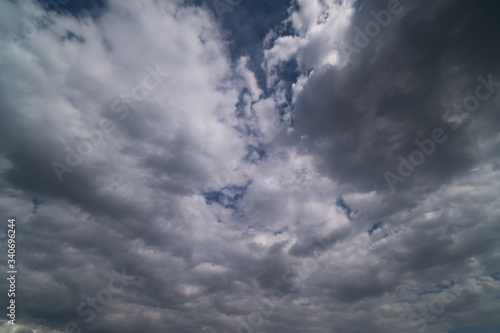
247,174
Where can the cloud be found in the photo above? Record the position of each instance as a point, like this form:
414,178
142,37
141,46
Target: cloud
216,177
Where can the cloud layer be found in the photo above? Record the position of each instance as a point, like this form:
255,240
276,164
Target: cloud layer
173,170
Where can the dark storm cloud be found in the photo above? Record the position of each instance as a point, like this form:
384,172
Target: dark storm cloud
31,160
358,119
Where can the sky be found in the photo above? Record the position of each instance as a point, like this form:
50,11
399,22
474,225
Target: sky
271,166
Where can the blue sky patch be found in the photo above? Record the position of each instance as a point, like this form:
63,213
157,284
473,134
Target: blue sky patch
228,196
375,227
345,207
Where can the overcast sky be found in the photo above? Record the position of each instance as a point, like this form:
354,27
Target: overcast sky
251,165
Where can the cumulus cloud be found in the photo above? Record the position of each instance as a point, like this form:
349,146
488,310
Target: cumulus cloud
190,172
